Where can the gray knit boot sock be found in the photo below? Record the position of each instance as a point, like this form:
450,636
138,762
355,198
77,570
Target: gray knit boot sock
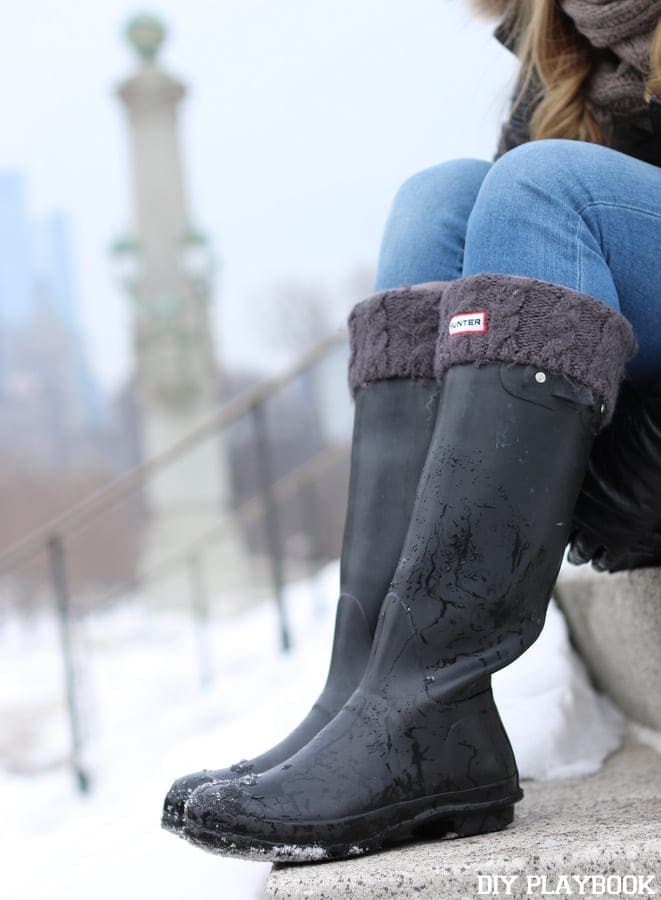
524,321
393,334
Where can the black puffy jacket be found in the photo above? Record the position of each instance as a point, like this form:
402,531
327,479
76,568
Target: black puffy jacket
617,520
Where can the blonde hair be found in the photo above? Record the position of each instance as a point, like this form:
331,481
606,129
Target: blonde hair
653,83
551,48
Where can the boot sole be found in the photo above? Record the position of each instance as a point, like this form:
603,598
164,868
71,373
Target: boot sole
437,820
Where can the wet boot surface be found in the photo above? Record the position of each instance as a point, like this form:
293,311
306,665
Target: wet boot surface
419,750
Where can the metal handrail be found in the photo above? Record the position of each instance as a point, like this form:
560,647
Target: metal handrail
247,513
94,504
50,537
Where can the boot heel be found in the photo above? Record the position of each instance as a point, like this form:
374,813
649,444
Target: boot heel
467,824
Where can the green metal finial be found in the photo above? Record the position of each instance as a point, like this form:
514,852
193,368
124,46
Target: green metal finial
146,34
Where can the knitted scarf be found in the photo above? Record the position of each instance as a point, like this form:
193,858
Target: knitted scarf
620,31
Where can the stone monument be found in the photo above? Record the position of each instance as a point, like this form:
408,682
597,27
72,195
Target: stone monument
167,268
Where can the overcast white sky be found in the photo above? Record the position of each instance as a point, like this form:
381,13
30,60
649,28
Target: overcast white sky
304,117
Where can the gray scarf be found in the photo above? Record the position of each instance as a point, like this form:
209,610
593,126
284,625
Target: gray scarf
620,31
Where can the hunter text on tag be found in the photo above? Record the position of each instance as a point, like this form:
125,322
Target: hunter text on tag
468,323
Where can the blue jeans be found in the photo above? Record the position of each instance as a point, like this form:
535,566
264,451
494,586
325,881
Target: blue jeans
576,214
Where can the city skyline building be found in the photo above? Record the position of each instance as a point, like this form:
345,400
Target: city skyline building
50,399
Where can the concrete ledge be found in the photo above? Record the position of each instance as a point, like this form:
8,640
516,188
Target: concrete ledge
615,623
603,824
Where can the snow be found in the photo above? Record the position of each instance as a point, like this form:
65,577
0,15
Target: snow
147,721
558,725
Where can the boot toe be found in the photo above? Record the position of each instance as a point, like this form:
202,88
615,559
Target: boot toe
219,815
173,816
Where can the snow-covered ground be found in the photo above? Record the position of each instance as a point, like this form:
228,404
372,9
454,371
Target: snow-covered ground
148,721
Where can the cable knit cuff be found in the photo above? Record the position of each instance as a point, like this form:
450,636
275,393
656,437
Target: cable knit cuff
393,334
506,318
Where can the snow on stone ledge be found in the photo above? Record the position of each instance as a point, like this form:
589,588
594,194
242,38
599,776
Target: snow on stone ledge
558,724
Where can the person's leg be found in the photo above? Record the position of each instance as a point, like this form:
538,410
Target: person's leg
424,236
582,216
392,339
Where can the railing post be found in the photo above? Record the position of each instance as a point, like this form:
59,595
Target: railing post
61,589
272,522
200,601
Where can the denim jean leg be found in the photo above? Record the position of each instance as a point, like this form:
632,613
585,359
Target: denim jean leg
425,232
580,215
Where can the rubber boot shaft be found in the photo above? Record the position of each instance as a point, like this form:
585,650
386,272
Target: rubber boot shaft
489,529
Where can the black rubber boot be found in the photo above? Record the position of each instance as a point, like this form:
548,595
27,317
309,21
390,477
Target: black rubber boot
395,409
419,749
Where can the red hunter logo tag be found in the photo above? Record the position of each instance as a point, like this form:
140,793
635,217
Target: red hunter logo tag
468,323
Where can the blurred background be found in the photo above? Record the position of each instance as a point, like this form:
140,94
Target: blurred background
191,201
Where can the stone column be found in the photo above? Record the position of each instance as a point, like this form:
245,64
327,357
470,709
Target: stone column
176,366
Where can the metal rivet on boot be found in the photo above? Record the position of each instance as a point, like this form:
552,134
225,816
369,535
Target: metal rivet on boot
540,377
